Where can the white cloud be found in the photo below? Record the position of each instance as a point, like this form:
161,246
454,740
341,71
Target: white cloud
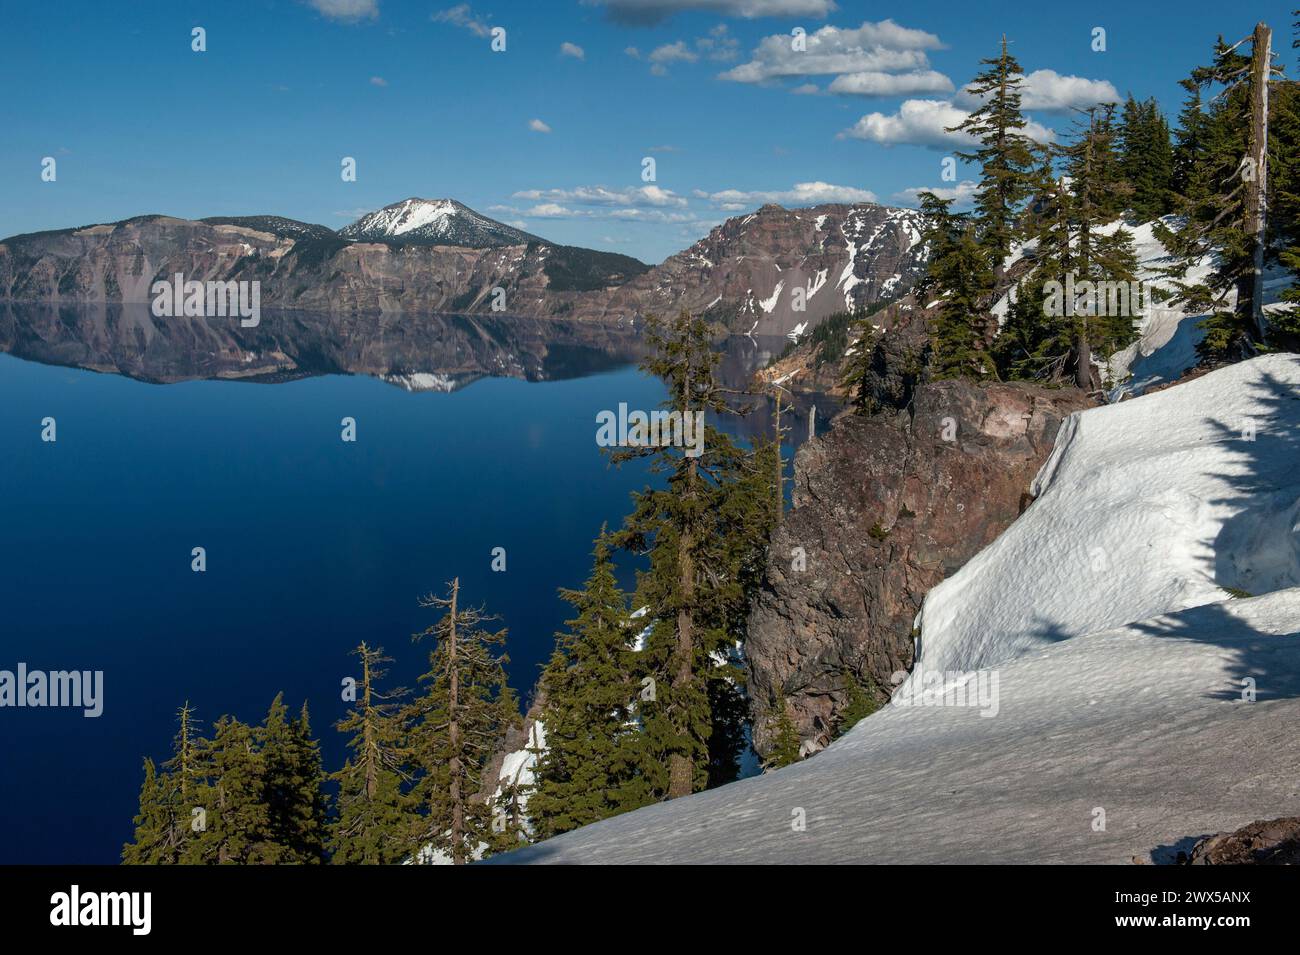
537,126
884,47
962,194
349,11
803,194
573,50
549,210
629,196
891,84
463,16
1050,92
924,122
677,52
807,89
378,81
646,12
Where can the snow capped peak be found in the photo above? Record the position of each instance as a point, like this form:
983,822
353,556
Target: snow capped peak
434,222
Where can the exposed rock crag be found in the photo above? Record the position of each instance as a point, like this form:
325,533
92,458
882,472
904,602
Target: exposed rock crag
885,507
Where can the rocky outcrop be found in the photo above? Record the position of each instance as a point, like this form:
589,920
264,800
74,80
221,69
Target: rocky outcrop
885,507
1272,842
752,273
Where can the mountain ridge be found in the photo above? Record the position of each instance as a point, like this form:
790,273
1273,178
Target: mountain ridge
774,271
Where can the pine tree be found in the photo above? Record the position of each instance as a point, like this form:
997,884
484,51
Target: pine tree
157,827
960,274
1097,256
292,790
456,726
859,366
375,816
591,766
1032,344
231,791
1284,208
162,825
1005,153
1226,183
785,737
1146,159
704,534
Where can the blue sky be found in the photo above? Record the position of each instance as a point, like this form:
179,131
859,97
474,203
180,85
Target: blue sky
550,134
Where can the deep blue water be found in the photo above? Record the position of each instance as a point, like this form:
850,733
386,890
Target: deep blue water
313,544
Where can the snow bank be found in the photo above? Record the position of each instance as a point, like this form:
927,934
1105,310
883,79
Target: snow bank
1135,705
1146,506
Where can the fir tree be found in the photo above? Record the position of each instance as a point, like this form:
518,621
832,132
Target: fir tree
704,535
1146,159
156,839
456,726
785,736
590,768
162,825
231,791
1284,208
1005,153
1097,256
292,791
859,367
960,274
1226,184
375,816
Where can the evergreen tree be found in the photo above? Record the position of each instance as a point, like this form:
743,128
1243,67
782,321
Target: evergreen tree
1146,159
231,790
162,825
1225,190
1096,321
858,367
294,799
785,737
704,535
590,768
1284,208
1005,153
375,816
157,828
960,274
456,726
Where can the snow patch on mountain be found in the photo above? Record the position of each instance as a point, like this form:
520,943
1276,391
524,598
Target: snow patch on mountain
436,221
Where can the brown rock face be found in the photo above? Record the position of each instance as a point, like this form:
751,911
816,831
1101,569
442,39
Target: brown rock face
1272,842
752,273
766,273
885,507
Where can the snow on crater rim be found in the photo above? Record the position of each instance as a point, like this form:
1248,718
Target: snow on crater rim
1145,507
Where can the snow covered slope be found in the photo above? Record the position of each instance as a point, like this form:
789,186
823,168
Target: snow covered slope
434,221
1131,704
1145,506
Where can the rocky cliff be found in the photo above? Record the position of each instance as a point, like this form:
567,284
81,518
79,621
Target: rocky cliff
885,507
780,270
771,272
300,268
